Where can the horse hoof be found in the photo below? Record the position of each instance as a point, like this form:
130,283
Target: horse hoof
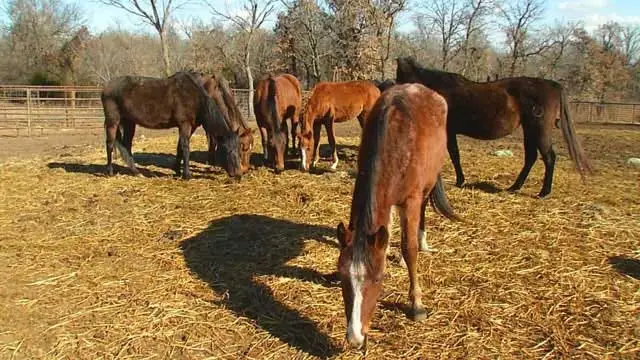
418,314
186,177
542,195
459,183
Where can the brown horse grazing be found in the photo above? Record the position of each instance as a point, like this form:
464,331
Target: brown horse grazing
329,103
492,110
177,101
218,89
276,99
401,154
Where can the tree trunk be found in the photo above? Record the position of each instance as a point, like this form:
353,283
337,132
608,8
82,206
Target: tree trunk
247,67
165,52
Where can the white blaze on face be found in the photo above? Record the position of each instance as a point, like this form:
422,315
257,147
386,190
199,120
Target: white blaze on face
354,328
304,158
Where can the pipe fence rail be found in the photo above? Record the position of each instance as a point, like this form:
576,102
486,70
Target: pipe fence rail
29,110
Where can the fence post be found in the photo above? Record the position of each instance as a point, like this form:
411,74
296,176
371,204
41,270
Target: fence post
590,109
28,111
73,108
633,113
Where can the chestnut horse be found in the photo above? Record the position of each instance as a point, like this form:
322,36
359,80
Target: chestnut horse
492,110
276,99
401,154
330,103
177,101
219,91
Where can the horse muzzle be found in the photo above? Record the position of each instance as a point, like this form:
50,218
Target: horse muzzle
357,341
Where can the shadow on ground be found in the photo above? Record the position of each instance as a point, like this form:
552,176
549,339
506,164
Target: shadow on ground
232,251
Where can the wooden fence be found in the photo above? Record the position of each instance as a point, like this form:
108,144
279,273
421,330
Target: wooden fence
27,110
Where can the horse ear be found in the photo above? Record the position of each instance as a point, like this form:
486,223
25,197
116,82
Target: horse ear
343,235
381,238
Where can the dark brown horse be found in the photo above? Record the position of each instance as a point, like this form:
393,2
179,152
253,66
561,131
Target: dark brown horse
276,99
177,101
383,85
330,103
492,110
401,154
218,89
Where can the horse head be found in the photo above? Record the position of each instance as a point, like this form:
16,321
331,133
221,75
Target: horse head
361,268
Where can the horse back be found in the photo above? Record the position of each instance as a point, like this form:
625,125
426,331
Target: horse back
150,102
404,143
342,100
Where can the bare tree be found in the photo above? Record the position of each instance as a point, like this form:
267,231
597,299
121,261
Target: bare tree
447,18
385,14
36,31
154,13
630,35
474,15
519,21
562,36
248,21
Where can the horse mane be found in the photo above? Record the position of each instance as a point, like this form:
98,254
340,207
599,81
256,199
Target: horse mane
364,197
422,71
209,108
229,100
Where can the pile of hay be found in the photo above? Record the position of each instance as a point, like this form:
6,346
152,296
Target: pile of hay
136,267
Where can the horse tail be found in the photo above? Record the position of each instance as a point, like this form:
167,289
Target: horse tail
124,153
569,133
439,201
271,104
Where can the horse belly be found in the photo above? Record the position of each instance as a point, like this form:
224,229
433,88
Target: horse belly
490,128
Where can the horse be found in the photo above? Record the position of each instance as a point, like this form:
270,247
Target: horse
494,109
330,103
218,90
162,103
276,99
383,85
401,154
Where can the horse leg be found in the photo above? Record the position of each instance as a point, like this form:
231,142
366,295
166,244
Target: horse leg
530,155
409,222
422,234
549,158
185,136
129,131
294,130
265,143
110,132
285,131
454,153
332,143
317,128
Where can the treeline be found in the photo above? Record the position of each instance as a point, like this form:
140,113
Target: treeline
48,42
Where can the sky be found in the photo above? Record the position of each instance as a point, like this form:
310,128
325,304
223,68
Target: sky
590,12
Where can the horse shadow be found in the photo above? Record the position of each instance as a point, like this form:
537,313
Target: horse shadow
346,153
100,170
232,251
626,266
168,161
483,186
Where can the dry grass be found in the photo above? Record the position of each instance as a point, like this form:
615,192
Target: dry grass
126,267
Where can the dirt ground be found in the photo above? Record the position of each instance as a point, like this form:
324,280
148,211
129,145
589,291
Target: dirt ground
156,267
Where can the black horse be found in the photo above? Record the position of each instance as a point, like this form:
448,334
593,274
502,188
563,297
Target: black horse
177,101
494,109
